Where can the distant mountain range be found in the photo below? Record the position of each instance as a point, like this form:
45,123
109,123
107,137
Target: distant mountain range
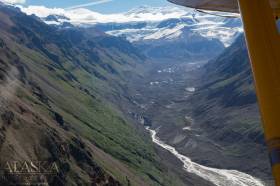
162,33
148,23
206,25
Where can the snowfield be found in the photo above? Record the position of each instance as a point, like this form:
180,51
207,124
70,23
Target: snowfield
167,23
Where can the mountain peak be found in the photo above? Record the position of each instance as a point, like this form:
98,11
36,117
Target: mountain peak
56,17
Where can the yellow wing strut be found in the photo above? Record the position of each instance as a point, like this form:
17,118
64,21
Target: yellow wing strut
263,41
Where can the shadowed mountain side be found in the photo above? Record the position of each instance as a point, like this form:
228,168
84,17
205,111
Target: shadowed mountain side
226,110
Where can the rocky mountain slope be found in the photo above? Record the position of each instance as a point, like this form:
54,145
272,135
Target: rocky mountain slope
226,109
56,92
223,115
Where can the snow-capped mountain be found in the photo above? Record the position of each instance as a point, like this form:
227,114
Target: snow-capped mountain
146,23
210,26
191,35
159,32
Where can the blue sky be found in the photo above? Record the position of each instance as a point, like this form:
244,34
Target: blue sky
109,6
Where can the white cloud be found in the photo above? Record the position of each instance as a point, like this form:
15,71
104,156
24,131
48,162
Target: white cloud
89,4
13,1
85,16
42,11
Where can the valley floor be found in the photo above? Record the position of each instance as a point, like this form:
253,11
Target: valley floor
160,102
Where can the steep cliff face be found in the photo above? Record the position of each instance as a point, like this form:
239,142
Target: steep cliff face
56,89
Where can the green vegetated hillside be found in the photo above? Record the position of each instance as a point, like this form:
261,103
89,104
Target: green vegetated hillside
57,88
226,109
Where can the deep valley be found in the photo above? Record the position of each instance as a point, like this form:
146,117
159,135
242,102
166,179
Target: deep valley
175,107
